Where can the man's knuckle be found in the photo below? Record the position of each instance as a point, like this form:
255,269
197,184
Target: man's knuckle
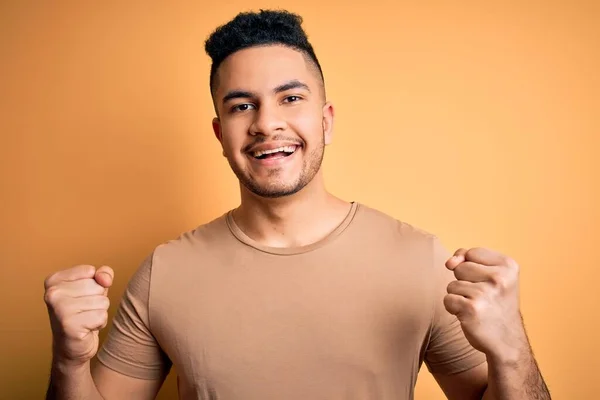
102,315
469,253
459,272
48,281
513,265
105,302
51,296
449,287
474,307
448,302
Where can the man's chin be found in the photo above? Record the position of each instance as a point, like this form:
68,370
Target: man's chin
273,191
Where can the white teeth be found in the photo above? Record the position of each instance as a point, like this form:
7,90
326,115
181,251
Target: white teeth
287,149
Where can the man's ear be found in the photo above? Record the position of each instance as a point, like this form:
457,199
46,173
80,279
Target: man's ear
216,124
328,116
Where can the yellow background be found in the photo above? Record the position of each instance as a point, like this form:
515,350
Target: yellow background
477,122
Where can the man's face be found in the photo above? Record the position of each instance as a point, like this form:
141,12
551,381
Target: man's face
273,122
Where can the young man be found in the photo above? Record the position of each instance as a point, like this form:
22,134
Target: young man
295,294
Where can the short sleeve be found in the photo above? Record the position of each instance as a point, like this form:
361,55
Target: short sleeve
130,348
448,351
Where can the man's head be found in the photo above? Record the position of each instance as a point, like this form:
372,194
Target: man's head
268,91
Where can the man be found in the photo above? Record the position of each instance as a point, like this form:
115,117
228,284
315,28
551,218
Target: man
295,294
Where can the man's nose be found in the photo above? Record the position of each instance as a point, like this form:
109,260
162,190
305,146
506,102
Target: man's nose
268,121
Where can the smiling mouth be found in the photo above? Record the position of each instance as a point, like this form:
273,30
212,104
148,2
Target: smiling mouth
284,151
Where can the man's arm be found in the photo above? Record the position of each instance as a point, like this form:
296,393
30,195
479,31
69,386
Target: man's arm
485,298
467,385
72,383
78,308
501,380
98,383
516,378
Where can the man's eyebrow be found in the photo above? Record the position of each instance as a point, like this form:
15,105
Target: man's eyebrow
244,94
293,84
237,94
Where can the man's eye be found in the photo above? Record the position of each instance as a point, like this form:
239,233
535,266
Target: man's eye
242,107
291,99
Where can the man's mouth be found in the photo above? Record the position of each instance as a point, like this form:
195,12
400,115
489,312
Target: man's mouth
279,152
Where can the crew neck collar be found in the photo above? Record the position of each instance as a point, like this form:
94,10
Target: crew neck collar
287,251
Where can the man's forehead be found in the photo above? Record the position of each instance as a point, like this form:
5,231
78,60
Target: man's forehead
266,66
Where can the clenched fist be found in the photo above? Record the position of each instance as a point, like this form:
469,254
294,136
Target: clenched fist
485,299
77,304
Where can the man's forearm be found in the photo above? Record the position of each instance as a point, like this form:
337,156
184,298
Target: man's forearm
516,378
72,383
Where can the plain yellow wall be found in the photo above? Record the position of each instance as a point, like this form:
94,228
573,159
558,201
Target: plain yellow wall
477,122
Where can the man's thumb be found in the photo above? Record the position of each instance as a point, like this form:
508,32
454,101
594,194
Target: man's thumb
104,276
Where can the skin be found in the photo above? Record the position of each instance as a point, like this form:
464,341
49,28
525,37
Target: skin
269,97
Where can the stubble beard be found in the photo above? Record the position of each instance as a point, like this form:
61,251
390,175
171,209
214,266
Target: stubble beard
275,187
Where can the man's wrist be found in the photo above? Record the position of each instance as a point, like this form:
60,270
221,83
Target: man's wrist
514,357
513,351
66,367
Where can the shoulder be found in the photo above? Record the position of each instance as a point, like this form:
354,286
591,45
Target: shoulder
205,236
189,248
398,238
377,222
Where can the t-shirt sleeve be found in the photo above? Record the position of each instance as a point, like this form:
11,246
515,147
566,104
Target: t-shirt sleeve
130,348
448,351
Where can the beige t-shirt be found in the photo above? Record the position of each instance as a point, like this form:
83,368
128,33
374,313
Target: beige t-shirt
353,316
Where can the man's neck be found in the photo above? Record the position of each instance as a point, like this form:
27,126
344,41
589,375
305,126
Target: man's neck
291,221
